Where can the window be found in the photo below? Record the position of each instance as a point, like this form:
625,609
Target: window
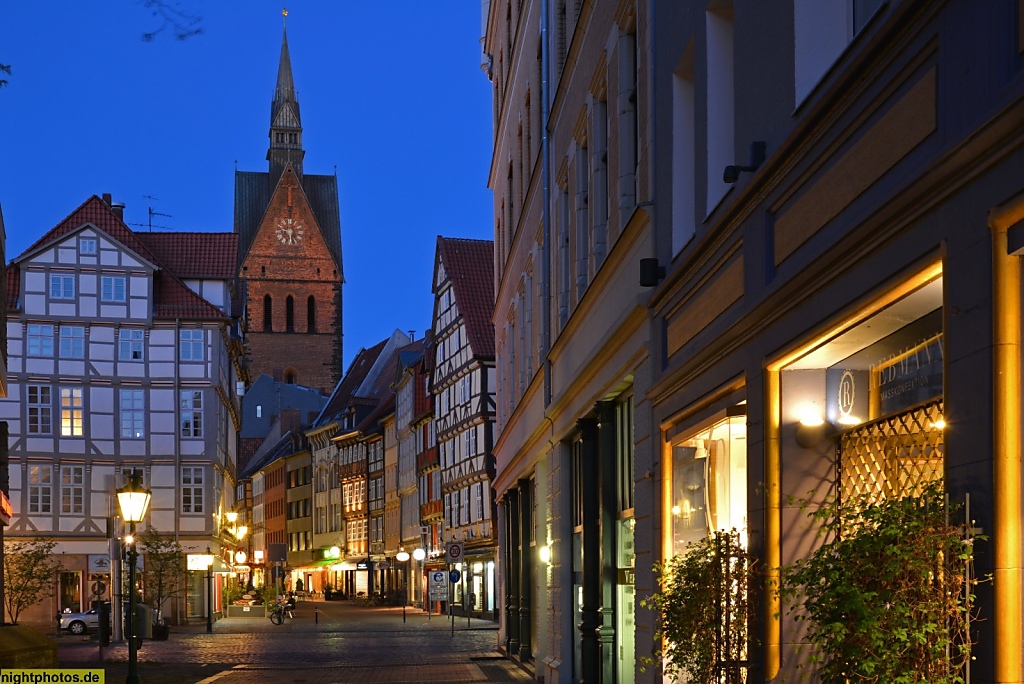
72,490
87,246
624,453
40,410
133,415
113,289
40,339
289,314
191,413
72,342
192,345
709,480
311,314
465,389
40,488
268,314
130,344
823,29
720,106
71,411
191,489
478,502
62,287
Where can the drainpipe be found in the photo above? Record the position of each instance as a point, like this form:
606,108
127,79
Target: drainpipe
545,146
1006,451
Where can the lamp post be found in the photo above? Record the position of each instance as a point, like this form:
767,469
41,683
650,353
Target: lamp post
418,555
209,590
133,500
403,558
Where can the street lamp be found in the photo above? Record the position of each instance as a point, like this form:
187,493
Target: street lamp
208,561
418,555
133,500
403,557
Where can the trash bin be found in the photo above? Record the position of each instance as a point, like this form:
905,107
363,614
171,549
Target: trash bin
144,621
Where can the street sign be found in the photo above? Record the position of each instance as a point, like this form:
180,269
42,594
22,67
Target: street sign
455,552
438,585
454,576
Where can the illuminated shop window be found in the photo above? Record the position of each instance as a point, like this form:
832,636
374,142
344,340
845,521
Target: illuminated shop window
709,479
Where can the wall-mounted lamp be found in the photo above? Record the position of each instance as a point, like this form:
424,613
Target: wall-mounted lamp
545,554
757,152
651,273
810,433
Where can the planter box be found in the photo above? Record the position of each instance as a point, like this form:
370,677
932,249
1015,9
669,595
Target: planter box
247,611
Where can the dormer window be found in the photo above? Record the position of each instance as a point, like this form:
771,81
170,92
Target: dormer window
87,246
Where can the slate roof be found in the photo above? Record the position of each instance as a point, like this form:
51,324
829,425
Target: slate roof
195,255
284,447
252,197
172,298
470,267
342,396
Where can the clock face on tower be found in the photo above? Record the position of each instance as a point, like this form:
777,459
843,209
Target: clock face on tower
290,231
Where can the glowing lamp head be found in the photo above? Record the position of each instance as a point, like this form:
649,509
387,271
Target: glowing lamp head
419,554
545,554
232,516
133,499
129,539
241,531
240,557
402,556
334,552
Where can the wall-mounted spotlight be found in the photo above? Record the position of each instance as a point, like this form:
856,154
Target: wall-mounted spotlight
757,151
810,432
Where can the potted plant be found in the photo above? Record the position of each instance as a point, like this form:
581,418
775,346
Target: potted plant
703,611
888,596
164,574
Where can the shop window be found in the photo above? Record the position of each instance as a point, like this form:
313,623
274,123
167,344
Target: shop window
709,479
867,401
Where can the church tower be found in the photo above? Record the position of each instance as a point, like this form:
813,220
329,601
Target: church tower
289,258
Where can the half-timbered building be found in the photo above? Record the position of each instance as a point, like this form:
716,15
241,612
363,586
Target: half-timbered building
123,355
463,386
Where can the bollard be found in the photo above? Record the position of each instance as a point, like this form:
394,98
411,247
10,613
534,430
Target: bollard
316,615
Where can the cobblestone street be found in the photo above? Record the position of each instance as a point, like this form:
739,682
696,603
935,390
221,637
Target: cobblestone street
326,642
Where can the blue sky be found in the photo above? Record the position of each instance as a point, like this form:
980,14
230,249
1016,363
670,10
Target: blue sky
391,93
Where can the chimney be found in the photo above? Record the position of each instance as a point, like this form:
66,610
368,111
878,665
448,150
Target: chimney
290,420
106,198
118,208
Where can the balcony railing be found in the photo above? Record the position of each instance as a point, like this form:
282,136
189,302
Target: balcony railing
431,512
427,460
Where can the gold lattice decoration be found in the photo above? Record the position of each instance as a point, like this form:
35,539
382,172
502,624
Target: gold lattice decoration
892,457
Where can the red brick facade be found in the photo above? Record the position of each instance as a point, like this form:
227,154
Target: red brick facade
300,341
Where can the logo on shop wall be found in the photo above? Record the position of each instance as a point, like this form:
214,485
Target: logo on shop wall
846,395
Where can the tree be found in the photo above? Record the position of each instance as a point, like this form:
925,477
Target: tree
182,24
164,573
7,70
29,572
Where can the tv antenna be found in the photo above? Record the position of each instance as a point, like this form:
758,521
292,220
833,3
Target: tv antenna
151,215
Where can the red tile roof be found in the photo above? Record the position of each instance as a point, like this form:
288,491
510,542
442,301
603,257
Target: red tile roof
172,298
470,267
195,255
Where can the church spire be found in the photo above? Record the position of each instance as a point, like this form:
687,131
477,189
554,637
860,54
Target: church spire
285,124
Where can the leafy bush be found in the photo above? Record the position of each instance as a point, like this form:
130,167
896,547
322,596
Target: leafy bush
888,597
703,611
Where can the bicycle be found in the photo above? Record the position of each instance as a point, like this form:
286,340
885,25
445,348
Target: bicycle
280,612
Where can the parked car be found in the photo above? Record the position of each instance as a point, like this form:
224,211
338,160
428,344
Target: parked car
80,623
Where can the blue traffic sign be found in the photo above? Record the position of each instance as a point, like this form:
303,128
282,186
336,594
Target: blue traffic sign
454,576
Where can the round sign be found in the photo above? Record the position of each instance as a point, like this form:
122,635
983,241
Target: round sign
438,576
99,588
454,552
454,576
